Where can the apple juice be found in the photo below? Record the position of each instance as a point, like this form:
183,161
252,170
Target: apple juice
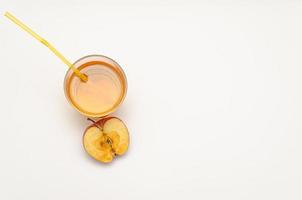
104,90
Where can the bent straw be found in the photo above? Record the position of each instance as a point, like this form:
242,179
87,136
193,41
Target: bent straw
82,76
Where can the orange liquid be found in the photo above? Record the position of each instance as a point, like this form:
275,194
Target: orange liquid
102,93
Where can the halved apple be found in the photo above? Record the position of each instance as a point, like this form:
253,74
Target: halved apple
106,138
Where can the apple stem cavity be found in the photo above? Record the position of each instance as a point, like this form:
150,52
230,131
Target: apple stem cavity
95,123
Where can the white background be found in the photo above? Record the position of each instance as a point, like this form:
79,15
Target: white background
214,106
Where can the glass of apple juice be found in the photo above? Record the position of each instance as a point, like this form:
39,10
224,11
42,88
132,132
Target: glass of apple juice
104,90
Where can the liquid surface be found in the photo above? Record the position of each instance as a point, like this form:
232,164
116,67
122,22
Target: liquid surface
100,93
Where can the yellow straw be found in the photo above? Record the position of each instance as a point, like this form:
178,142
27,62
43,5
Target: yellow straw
82,76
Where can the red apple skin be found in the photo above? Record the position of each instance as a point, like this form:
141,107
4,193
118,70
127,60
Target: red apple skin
100,123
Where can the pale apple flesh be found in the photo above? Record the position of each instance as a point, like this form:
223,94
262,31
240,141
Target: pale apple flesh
105,139
115,125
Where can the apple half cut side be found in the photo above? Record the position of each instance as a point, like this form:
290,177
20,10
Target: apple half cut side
106,138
